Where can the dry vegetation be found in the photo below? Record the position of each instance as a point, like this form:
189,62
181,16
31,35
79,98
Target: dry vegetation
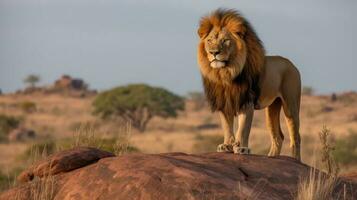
319,185
62,122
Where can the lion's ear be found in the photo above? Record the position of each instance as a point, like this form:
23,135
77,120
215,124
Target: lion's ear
205,28
201,33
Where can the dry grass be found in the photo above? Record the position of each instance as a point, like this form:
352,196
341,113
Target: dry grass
43,189
319,185
61,119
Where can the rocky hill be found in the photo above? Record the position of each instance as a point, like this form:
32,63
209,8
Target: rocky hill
87,173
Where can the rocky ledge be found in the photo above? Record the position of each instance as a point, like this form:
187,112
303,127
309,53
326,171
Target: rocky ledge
165,176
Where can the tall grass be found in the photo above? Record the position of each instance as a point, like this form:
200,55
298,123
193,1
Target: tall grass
86,135
319,185
43,189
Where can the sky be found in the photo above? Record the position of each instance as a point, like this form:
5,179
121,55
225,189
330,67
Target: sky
110,43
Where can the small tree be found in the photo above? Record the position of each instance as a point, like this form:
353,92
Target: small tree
7,123
137,103
307,90
32,79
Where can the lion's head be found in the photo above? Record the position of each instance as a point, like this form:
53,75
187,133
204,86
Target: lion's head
228,45
231,58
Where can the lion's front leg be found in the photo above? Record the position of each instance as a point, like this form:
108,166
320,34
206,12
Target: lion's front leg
245,118
227,126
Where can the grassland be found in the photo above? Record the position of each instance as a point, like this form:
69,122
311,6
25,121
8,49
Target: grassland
56,119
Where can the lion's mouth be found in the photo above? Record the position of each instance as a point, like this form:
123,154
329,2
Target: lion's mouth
218,63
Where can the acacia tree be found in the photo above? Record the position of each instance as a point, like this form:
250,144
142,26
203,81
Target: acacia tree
32,79
137,103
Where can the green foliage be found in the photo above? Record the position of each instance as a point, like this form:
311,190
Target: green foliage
3,181
32,79
137,103
28,106
307,90
7,123
346,149
8,178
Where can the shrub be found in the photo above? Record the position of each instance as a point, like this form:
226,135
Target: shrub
4,180
7,123
346,149
307,90
28,106
137,103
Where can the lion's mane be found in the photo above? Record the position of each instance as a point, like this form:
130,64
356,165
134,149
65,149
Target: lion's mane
231,88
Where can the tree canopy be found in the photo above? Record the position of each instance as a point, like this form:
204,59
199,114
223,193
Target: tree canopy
32,79
138,103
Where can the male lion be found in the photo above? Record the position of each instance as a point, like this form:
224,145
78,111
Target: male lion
238,78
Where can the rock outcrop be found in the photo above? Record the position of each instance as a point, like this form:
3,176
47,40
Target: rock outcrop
67,82
177,176
21,134
63,161
65,85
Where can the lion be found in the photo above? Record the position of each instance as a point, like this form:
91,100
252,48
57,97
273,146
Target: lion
238,78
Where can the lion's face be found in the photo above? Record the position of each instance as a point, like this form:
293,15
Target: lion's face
224,48
228,46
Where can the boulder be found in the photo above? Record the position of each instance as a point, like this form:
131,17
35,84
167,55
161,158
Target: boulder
21,134
178,176
67,82
63,161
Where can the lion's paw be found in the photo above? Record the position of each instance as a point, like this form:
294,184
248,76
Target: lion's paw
228,148
240,150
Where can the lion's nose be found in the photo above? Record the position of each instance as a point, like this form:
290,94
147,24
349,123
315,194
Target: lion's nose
214,52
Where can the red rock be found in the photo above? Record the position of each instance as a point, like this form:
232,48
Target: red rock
181,176
63,161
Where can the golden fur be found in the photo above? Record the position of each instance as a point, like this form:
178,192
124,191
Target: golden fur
238,77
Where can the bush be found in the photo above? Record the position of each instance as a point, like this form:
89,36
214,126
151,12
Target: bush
28,106
7,123
137,103
346,149
4,181
307,90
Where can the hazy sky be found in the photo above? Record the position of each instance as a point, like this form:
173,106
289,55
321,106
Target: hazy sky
114,42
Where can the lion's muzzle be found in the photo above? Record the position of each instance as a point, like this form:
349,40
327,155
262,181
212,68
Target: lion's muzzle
217,64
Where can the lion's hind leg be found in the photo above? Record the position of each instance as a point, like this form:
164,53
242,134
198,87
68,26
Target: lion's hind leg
291,110
273,123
